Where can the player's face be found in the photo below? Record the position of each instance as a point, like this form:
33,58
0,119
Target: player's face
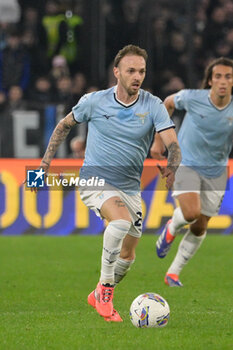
222,81
130,73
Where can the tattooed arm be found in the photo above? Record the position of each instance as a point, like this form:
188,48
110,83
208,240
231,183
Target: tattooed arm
174,156
169,138
58,136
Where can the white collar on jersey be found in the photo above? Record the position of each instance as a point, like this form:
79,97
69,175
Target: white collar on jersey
125,104
219,108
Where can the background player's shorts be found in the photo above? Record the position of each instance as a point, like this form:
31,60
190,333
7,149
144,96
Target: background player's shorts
95,199
211,190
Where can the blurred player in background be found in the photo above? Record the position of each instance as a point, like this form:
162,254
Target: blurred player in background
121,123
205,139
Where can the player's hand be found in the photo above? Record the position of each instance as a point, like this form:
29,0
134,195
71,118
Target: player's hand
157,150
169,174
45,168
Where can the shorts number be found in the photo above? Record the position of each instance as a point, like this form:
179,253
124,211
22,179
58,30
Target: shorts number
138,222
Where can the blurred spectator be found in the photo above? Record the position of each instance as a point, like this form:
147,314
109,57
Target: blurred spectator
229,38
77,147
78,89
9,11
14,64
71,49
34,39
6,147
175,57
59,69
63,33
3,103
63,90
41,93
216,28
92,88
54,22
4,28
122,26
228,7
15,99
79,84
43,56
223,48
174,84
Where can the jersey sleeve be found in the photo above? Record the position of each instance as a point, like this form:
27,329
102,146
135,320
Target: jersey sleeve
82,110
181,99
162,120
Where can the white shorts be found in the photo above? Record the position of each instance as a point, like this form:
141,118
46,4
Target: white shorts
211,190
95,199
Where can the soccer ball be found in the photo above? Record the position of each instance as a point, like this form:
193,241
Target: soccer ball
149,310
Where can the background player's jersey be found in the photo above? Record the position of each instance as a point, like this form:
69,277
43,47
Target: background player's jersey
119,136
206,133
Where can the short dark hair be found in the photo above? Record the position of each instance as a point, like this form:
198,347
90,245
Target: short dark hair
129,50
224,61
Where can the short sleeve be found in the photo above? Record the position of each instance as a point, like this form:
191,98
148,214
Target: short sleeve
181,99
162,120
82,110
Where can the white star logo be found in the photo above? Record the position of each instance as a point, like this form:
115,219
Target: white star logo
39,174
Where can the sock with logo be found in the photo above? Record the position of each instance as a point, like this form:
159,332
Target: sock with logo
122,266
187,248
178,221
112,242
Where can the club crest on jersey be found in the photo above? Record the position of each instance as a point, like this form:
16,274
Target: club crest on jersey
142,116
230,119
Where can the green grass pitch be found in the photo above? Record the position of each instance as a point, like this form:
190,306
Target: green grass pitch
44,283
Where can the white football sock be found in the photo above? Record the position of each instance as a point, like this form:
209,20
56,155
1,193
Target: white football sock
112,242
122,266
178,221
187,248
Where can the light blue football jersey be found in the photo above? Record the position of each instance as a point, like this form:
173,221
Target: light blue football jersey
119,136
206,133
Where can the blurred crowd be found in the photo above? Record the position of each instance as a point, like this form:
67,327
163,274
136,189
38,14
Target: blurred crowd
42,58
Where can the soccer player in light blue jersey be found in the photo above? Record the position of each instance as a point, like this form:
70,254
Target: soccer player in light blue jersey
205,140
121,124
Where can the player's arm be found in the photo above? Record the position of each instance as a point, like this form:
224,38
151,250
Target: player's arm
58,136
169,138
170,104
157,149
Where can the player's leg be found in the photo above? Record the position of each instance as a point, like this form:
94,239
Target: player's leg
126,258
187,191
116,213
189,245
211,198
109,205
187,213
127,254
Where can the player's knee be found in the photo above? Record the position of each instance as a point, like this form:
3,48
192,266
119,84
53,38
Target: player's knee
191,214
119,228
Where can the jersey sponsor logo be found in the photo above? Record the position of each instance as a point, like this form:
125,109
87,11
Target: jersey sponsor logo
108,116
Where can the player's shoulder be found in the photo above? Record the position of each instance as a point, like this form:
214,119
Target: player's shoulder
192,94
148,97
103,93
95,96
